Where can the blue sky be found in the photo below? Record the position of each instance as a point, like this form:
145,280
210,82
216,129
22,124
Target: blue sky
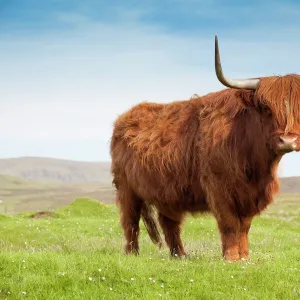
68,68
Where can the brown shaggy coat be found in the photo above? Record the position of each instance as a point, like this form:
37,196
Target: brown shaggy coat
208,154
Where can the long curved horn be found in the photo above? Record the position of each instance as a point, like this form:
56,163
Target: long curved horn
249,84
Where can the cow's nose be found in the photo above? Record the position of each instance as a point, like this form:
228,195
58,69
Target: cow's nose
287,144
287,141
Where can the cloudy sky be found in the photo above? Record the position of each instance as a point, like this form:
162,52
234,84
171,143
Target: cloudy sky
68,68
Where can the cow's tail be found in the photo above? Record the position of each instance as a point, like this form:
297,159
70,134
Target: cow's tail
149,219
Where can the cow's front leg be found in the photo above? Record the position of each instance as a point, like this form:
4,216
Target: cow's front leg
245,225
229,227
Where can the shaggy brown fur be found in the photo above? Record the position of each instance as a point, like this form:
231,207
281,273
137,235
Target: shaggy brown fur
215,153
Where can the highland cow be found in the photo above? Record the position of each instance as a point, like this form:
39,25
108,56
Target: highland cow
218,153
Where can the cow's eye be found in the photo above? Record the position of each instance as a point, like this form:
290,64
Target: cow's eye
265,110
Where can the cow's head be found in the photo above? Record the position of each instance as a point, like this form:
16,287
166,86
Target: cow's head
277,100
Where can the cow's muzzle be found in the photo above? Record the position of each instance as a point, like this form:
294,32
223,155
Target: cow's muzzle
287,144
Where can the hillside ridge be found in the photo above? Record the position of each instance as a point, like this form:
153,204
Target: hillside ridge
59,170
56,170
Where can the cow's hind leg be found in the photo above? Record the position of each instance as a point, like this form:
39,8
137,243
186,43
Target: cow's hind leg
171,229
130,213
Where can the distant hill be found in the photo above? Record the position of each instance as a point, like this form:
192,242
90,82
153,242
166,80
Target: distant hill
290,185
56,170
68,171
33,183
19,195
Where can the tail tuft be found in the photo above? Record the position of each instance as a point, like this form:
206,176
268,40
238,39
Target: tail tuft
149,219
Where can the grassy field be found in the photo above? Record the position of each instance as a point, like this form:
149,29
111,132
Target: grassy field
77,253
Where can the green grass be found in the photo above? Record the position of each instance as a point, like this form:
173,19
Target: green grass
78,254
